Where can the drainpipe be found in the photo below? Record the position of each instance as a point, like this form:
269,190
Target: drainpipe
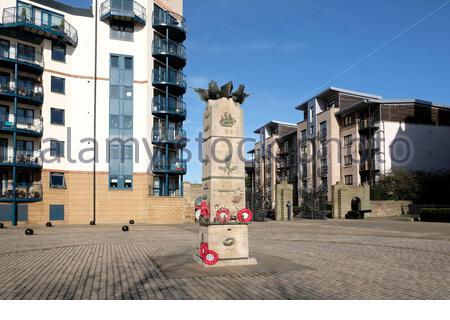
14,217
94,169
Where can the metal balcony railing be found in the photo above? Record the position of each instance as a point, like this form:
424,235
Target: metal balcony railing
175,106
172,166
23,158
34,125
125,9
169,77
26,89
17,53
169,47
171,136
52,25
23,192
169,19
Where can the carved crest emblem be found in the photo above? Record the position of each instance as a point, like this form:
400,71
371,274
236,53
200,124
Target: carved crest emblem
227,120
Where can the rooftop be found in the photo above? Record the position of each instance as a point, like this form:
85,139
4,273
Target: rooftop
274,123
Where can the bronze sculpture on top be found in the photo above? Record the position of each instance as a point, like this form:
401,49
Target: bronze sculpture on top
226,91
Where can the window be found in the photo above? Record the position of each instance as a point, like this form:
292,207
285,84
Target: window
56,148
57,180
349,120
348,160
58,51
114,62
26,53
57,116
128,63
348,140
58,85
113,182
128,182
121,31
4,48
25,116
349,180
324,184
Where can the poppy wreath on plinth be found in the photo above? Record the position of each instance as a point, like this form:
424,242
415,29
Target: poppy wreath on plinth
223,215
203,250
205,210
211,258
245,215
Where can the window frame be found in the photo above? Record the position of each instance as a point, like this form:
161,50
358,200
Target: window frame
52,87
348,179
348,140
57,186
63,46
61,153
63,116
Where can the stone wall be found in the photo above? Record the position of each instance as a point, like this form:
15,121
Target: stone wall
342,195
388,208
283,195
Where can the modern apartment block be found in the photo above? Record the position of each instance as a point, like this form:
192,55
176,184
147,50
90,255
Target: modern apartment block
350,137
71,75
353,137
271,160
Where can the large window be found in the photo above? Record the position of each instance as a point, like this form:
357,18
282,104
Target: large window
349,180
26,53
56,148
58,51
121,31
57,180
25,116
348,140
348,160
57,116
58,85
349,120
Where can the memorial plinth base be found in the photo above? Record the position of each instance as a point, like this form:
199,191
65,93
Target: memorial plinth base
229,241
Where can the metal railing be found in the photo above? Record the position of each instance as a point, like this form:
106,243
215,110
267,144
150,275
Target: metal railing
169,136
367,123
165,18
171,105
26,191
25,88
169,47
54,24
23,157
23,123
123,8
169,76
173,165
21,54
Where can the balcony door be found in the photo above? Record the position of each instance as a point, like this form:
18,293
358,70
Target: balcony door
3,149
4,48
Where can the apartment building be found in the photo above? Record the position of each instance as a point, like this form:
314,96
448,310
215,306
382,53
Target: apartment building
353,137
77,83
270,162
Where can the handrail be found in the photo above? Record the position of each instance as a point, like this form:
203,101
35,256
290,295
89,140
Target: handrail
25,88
163,46
121,7
27,56
161,104
23,191
23,123
31,15
23,157
163,75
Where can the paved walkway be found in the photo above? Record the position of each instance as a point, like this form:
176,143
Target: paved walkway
337,260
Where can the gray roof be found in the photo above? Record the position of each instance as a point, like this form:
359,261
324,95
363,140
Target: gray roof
272,123
335,89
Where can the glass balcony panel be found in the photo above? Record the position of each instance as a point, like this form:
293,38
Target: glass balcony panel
23,191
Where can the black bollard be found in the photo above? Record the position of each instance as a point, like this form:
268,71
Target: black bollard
125,228
49,224
29,232
131,221
92,223
2,225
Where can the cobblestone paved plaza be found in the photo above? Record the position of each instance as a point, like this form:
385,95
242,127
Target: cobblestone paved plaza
332,259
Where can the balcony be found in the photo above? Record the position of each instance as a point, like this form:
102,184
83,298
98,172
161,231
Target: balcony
176,167
368,126
170,136
24,159
26,126
43,24
27,60
323,171
175,52
175,108
369,166
29,92
176,24
174,80
123,10
29,192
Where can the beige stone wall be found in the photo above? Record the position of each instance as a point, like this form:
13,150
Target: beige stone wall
388,208
342,195
112,206
283,195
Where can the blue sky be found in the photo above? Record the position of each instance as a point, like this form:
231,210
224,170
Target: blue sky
287,50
